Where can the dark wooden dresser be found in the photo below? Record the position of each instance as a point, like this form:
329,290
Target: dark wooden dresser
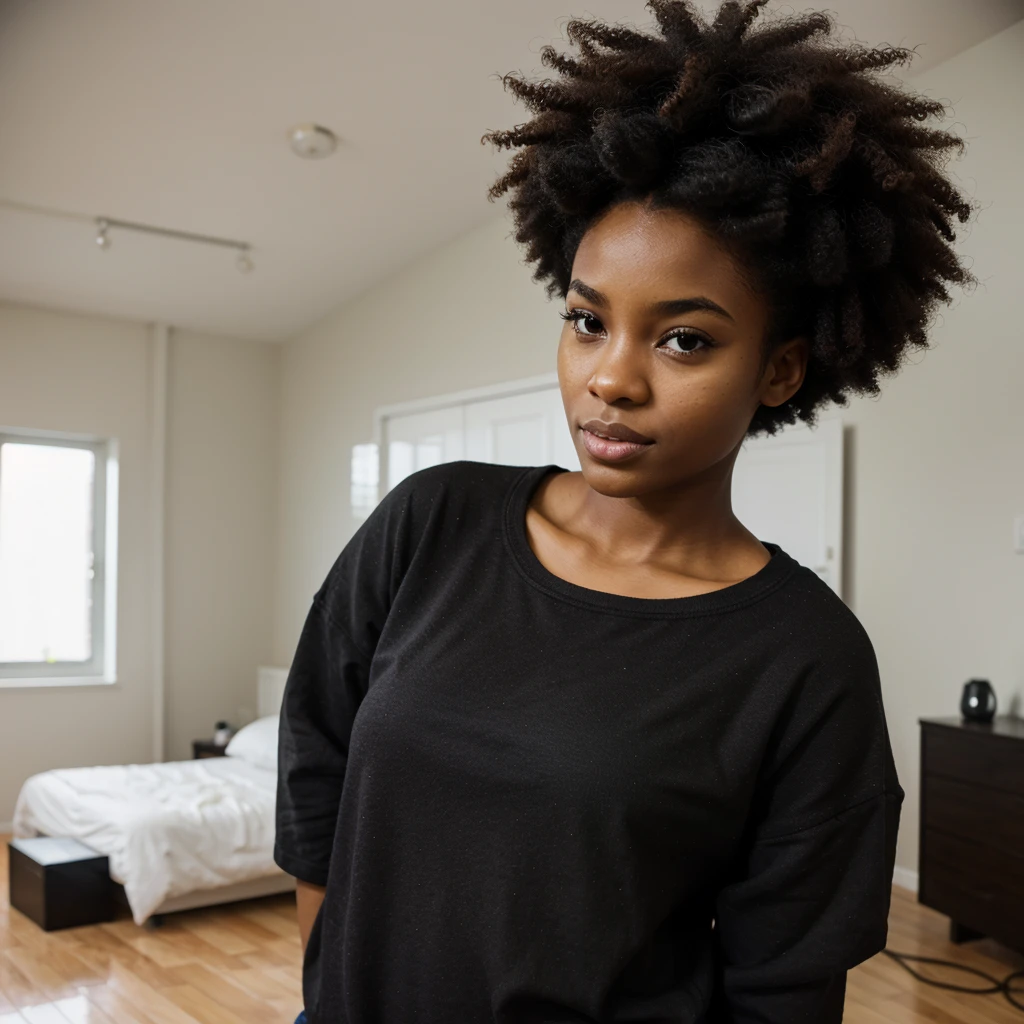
971,857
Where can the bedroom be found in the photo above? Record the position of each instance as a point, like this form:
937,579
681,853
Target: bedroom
237,388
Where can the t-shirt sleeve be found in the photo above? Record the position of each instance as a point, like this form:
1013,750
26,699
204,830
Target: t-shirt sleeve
328,679
809,897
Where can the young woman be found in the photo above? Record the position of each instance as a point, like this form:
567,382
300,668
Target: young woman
578,746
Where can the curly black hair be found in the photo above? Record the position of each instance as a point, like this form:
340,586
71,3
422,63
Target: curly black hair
812,171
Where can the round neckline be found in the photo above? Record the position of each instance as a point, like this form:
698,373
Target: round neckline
768,578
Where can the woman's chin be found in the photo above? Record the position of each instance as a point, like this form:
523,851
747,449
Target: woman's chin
620,480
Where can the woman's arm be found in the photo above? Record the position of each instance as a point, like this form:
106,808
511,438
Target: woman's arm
308,899
809,897
327,681
808,907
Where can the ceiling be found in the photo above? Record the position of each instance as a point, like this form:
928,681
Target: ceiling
177,114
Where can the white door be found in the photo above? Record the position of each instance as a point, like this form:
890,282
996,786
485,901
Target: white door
789,489
420,440
520,430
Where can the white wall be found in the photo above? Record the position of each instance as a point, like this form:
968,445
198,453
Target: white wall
938,471
467,314
86,374
221,528
935,463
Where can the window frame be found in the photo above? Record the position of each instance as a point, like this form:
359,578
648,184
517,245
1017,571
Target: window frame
100,669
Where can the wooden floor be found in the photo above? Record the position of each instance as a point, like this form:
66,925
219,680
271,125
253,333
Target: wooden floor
240,964
234,964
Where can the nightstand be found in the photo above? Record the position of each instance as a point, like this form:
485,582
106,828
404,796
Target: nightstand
971,859
207,748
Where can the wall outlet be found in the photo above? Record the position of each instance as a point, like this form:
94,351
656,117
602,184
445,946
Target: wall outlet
1018,535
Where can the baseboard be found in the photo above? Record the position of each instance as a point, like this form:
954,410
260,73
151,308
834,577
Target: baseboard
905,879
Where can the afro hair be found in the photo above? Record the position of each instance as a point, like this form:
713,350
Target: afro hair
815,173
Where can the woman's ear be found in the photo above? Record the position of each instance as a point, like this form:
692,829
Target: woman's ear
785,372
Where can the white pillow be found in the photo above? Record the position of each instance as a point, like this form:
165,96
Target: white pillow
256,743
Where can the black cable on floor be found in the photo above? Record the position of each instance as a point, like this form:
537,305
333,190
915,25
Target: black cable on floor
997,986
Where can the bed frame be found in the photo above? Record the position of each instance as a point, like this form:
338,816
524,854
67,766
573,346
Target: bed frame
270,689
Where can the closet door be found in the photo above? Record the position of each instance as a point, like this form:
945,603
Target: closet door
528,429
419,440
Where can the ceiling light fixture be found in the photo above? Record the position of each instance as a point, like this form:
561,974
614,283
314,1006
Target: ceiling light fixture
313,141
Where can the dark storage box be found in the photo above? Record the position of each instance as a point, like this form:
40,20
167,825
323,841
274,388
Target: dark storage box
60,883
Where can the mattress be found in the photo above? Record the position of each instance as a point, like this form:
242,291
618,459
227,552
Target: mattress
168,829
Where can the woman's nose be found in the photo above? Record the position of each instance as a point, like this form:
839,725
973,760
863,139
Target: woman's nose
619,374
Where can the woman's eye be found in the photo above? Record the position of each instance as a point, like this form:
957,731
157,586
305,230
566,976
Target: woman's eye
676,343
578,318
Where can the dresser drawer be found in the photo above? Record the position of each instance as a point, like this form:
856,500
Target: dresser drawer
993,761
970,857
989,904
973,812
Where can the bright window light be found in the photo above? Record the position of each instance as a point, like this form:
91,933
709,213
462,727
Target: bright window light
46,552
365,476
406,457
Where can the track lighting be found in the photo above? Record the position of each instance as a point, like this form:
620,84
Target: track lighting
105,224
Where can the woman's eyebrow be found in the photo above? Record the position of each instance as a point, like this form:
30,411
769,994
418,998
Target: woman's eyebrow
666,307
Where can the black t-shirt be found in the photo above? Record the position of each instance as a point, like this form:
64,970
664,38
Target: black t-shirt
535,802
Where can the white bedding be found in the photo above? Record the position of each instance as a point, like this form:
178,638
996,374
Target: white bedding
168,829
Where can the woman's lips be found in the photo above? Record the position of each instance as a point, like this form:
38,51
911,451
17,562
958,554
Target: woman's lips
609,449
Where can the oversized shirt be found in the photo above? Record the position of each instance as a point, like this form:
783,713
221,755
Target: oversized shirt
530,801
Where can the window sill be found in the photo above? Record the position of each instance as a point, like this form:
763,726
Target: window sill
38,682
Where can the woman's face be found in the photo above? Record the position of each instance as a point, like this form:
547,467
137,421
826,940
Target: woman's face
664,348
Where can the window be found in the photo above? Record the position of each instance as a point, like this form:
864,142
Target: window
58,502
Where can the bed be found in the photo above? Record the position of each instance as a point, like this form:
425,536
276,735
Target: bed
181,834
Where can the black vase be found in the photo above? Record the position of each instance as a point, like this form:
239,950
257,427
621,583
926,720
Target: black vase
978,703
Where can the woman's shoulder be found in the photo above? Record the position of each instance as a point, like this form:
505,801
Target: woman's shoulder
822,646
445,501
463,480
429,514
830,743
465,471
822,616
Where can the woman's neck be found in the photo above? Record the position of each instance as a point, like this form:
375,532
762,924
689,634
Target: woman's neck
687,533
